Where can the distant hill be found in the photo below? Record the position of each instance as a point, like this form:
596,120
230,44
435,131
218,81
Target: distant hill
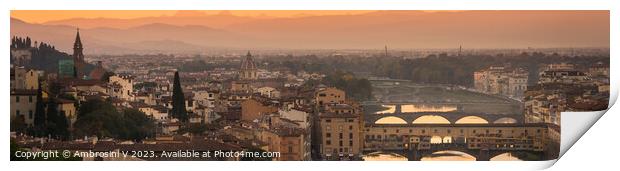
44,57
193,33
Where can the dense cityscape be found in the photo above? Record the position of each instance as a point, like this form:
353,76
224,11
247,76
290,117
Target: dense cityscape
300,105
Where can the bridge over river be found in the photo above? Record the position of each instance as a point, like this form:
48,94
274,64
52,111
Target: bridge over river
452,115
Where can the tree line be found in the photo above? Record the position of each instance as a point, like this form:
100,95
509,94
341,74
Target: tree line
435,68
44,56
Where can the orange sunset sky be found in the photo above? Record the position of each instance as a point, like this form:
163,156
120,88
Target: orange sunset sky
40,16
301,29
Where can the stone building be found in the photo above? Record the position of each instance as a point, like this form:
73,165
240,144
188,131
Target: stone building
505,81
248,70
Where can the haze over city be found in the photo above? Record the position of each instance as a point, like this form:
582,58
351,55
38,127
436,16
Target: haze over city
302,85
200,31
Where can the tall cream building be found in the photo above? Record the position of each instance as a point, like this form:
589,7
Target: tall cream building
501,80
340,129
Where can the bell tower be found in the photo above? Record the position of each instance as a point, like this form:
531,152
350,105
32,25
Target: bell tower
78,56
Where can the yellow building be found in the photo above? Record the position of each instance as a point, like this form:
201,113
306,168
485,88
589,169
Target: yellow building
254,108
23,105
290,142
67,108
329,95
240,86
22,78
340,133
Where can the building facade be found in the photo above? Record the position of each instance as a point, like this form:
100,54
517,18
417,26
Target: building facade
501,80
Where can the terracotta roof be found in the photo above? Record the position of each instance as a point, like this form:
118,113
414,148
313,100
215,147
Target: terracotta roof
336,115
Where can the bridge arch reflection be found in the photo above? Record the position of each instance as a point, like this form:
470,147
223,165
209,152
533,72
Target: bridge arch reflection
391,120
431,119
472,120
505,120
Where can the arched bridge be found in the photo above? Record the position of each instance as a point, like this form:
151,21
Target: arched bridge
479,154
452,117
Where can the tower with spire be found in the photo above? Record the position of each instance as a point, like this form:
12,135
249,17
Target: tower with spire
248,70
386,51
78,56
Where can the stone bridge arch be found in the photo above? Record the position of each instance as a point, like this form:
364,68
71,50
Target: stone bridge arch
451,117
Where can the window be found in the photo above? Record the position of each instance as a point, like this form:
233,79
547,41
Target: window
328,120
328,142
30,99
340,135
350,143
328,135
30,114
350,127
340,143
17,99
350,135
17,113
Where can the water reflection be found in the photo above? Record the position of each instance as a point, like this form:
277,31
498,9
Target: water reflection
505,121
505,157
436,156
390,109
431,119
449,156
391,120
381,156
472,120
427,108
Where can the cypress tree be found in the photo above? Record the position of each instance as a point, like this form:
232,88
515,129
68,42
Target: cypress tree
178,100
39,114
57,122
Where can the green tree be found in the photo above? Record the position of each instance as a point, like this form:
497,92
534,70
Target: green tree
100,118
139,126
178,100
39,114
18,124
57,123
